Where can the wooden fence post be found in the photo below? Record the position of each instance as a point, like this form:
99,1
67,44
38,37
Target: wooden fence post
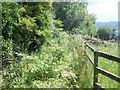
95,70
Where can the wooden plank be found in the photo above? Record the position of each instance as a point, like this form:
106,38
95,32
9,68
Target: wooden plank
110,57
100,86
95,70
108,74
91,48
90,59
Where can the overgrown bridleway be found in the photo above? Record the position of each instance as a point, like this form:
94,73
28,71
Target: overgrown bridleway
62,63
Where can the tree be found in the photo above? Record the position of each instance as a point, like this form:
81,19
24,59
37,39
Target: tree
25,23
74,16
25,27
104,32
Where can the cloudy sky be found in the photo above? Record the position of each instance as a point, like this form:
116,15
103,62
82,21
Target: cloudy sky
105,10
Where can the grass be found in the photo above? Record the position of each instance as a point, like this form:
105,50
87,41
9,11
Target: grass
111,66
61,63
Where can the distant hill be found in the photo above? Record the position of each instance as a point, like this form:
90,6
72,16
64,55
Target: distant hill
111,23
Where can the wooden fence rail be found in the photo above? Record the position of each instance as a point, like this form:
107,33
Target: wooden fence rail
97,69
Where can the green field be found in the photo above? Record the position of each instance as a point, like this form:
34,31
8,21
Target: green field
111,66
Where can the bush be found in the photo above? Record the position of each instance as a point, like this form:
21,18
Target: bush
104,32
7,52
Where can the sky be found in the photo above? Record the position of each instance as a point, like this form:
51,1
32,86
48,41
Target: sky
105,10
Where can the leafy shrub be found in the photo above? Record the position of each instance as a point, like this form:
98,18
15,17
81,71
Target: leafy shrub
104,33
7,51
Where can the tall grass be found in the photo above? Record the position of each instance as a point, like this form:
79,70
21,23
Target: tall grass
61,63
111,66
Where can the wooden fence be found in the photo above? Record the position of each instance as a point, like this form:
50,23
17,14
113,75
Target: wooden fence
97,69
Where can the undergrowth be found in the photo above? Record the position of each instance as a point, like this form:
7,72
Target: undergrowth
61,63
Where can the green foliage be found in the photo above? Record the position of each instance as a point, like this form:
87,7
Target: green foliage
34,23
60,63
104,33
7,54
27,25
8,19
90,25
75,17
39,53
